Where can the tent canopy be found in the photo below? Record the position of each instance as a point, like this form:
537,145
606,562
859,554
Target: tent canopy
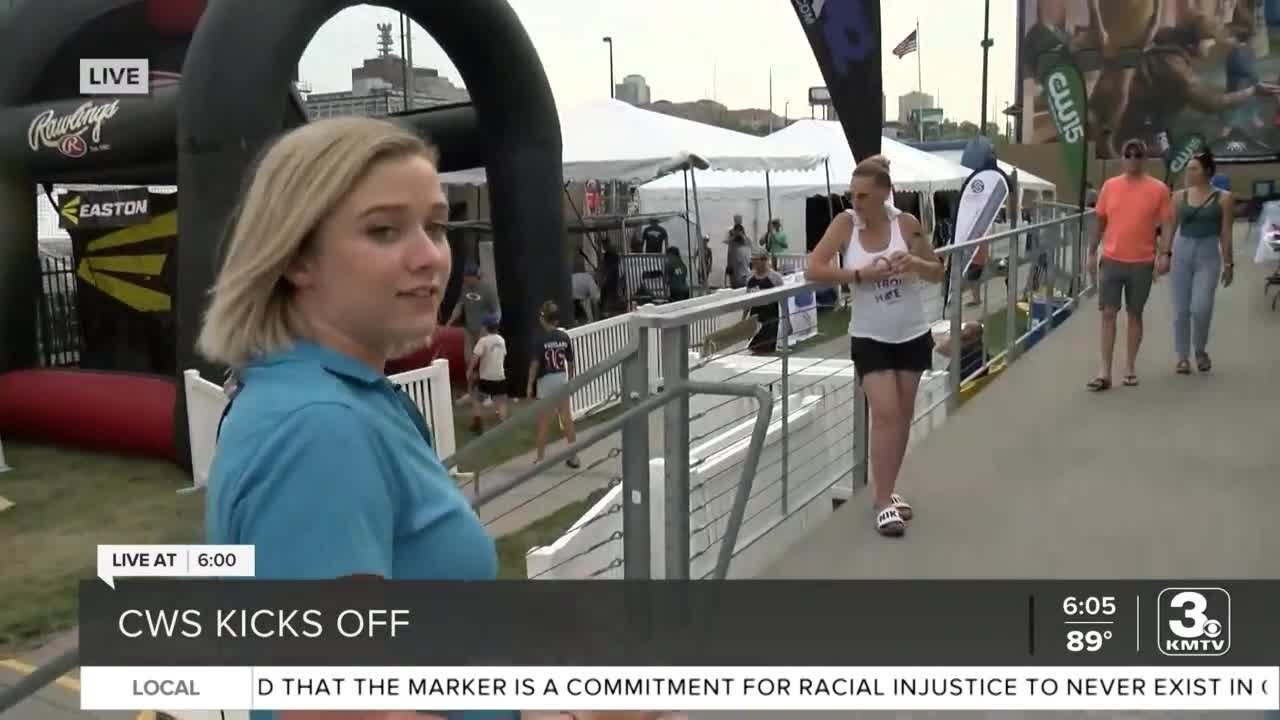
613,140
913,170
1026,181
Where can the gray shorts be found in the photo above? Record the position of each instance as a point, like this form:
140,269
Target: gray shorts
1130,280
548,384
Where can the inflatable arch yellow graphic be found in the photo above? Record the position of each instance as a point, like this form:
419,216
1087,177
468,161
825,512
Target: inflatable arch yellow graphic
104,271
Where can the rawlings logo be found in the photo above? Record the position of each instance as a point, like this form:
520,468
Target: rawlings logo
66,133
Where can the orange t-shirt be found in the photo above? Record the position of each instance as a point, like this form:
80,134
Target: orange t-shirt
1133,209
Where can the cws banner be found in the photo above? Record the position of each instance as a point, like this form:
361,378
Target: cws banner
1160,66
1180,153
845,38
1069,108
104,208
981,197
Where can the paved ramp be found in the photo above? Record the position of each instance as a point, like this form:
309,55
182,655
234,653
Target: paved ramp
1037,478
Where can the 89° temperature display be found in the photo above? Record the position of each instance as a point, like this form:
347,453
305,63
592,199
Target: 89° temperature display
1087,623
1087,640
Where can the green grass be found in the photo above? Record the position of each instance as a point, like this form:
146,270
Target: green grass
513,548
515,441
66,503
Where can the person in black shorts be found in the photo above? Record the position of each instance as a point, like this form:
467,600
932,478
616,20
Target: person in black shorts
488,373
763,277
886,259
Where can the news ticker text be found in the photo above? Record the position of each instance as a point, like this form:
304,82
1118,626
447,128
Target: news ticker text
262,623
681,688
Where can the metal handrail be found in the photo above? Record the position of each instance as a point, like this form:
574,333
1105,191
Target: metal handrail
727,302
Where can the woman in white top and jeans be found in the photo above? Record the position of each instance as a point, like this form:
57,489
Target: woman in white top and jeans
886,253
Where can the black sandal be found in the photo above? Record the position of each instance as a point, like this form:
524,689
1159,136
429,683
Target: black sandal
1203,364
1131,380
1182,368
1099,384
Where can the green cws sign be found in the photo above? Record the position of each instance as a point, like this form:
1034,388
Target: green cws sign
1187,147
1064,89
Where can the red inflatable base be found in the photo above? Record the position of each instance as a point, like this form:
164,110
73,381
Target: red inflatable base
127,413
447,343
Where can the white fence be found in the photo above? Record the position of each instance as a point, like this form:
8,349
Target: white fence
428,386
595,342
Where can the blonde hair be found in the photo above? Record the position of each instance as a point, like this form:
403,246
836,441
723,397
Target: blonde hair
297,183
875,167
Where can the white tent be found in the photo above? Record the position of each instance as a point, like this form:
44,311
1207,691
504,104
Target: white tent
1026,180
613,140
722,195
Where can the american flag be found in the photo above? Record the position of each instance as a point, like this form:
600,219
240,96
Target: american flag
908,45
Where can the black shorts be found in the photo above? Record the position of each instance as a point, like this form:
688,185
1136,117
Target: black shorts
492,388
974,273
869,355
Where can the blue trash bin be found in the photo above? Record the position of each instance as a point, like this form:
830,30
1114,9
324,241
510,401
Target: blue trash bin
1040,312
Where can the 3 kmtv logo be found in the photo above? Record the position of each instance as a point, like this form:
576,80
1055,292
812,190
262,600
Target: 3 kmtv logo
1194,622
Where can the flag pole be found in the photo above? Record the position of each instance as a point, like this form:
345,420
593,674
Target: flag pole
919,81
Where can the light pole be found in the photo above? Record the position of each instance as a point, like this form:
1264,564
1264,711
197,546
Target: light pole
609,41
987,42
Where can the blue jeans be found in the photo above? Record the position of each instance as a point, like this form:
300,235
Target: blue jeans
1197,266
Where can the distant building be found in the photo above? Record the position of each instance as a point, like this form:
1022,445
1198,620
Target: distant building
912,102
633,89
378,86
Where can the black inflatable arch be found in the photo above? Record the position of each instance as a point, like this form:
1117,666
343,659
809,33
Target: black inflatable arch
235,82
243,54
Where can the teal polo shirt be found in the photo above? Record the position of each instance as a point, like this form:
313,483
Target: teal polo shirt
322,467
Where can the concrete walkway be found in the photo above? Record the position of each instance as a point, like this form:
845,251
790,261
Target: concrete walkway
1037,478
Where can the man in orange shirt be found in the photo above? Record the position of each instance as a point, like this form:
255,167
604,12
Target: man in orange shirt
1131,208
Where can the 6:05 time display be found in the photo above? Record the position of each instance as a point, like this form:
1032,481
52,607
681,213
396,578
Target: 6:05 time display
1089,605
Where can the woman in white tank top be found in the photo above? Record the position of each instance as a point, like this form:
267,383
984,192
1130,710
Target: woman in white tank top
886,257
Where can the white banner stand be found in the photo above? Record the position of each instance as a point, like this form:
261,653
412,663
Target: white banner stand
3,466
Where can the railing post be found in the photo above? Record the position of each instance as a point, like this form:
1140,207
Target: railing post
1011,310
635,463
675,452
861,436
957,323
784,328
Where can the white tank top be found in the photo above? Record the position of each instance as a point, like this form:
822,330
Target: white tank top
889,310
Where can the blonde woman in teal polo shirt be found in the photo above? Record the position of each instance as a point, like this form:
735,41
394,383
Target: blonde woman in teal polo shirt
337,261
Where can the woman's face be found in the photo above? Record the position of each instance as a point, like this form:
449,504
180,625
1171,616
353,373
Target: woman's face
1195,171
867,195
379,263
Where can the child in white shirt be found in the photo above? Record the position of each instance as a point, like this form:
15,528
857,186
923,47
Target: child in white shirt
488,373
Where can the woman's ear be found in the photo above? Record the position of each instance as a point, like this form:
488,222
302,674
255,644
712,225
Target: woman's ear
300,272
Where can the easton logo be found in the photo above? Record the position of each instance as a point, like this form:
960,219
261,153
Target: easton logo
1065,113
66,133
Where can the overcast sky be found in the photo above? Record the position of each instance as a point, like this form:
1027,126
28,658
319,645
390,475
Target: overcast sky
719,49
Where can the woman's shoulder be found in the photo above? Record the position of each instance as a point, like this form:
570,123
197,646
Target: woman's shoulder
909,223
